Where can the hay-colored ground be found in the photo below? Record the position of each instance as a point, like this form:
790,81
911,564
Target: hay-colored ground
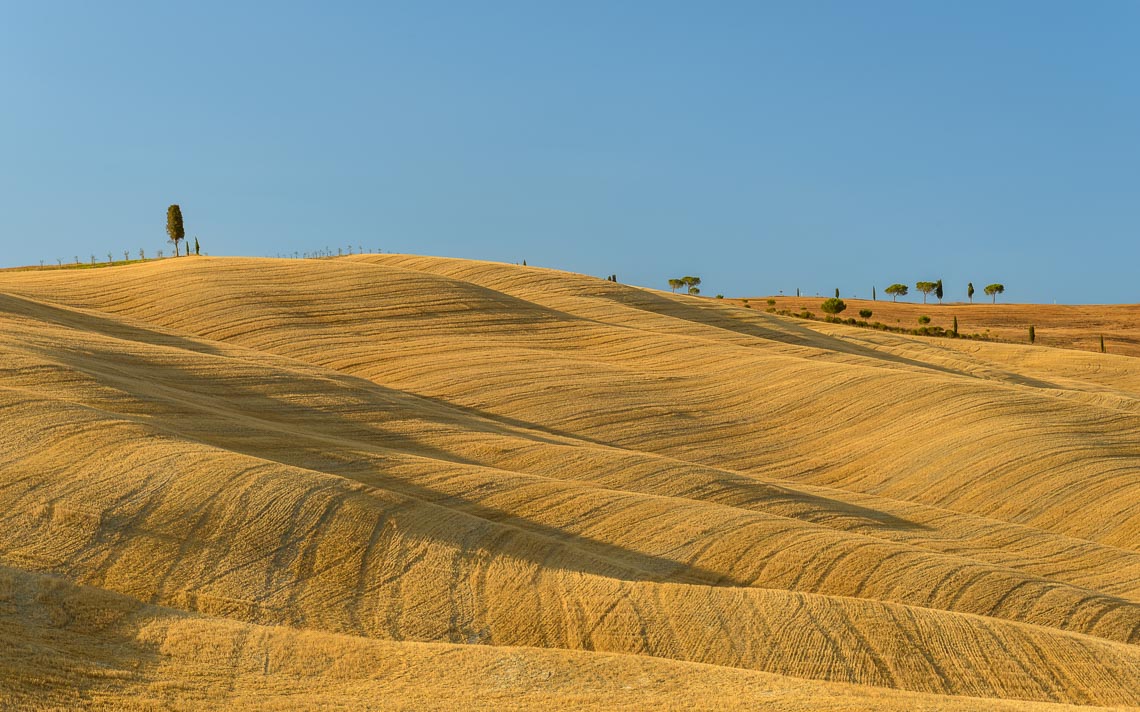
73,647
1070,326
391,481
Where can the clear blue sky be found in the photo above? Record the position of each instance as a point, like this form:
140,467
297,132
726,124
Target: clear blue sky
762,146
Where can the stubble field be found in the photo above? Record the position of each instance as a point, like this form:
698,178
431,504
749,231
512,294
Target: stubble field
386,481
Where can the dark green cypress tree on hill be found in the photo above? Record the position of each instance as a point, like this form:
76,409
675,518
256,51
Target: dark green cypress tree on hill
174,228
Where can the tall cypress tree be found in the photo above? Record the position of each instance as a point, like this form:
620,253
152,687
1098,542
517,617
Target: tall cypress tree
174,226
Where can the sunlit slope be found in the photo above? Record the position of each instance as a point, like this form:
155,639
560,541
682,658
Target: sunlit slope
68,646
407,448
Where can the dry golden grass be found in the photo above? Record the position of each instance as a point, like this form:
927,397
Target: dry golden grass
72,647
424,482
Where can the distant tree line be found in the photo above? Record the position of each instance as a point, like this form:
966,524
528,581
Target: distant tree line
898,289
338,252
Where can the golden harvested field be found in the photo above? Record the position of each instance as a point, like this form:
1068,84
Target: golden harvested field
1077,326
399,482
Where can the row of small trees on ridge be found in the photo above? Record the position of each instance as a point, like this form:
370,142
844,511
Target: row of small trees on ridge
126,257
175,231
900,290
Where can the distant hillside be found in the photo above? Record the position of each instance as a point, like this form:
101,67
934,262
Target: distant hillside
390,480
1062,326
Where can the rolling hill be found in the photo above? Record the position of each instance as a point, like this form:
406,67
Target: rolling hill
390,481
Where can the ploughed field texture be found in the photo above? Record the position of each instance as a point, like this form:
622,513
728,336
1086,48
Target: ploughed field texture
384,481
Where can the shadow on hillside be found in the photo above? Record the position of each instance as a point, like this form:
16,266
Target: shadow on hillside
514,425
782,331
742,492
242,415
267,414
98,323
608,559
70,640
730,488
470,298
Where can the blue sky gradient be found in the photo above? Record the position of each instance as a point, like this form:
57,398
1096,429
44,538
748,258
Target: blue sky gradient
762,146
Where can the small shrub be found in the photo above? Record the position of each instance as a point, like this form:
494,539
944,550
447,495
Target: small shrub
771,302
923,319
771,310
865,313
720,296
